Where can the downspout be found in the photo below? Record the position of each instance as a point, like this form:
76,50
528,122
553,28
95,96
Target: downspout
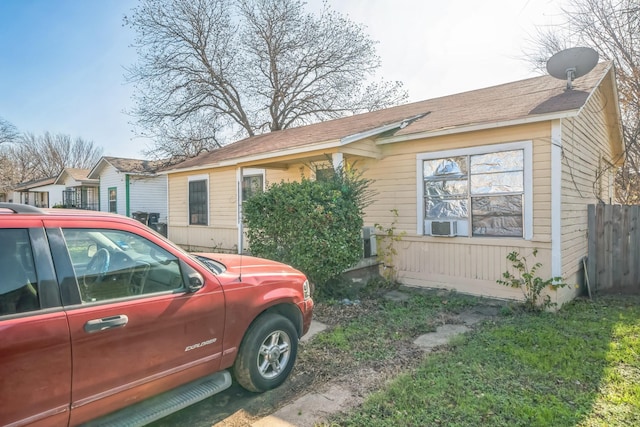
126,192
556,198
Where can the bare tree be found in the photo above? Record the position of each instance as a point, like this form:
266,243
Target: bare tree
42,156
210,71
8,131
612,27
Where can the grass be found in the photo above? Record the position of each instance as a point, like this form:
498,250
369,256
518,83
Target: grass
577,367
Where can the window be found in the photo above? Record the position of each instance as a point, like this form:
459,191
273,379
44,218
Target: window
324,174
18,285
252,185
113,264
476,192
198,202
113,200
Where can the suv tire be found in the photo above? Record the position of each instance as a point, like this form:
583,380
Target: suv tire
267,353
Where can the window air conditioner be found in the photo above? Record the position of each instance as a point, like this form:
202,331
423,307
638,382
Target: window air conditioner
444,228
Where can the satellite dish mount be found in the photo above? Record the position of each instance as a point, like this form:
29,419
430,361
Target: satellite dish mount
572,63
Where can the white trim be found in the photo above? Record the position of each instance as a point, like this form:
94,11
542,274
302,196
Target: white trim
556,198
338,160
476,127
240,174
198,177
376,131
201,177
526,146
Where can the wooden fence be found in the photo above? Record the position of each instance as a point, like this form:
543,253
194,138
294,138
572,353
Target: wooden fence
613,263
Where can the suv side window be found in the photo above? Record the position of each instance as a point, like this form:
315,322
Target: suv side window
18,281
111,264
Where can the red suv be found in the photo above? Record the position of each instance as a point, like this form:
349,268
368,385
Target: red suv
105,322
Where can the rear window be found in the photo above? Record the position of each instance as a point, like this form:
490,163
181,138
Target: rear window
18,281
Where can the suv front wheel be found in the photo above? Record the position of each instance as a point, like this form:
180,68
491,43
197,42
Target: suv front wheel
267,353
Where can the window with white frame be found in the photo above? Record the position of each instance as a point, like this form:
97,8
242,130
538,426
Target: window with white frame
198,200
252,185
477,192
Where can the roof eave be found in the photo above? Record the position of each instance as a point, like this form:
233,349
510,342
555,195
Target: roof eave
477,127
297,150
257,157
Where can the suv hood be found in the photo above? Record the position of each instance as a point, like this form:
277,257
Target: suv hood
245,265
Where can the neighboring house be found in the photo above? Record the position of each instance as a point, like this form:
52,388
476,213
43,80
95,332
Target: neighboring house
132,187
80,191
472,177
42,193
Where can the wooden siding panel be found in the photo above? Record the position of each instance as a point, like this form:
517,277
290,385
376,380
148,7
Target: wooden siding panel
585,144
110,177
472,268
148,194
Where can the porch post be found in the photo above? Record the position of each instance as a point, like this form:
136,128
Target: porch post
337,160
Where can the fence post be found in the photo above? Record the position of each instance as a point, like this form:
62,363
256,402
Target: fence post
592,256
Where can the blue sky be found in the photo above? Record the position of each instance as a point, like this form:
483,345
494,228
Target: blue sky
62,62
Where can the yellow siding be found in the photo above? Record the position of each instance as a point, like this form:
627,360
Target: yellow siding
586,151
222,232
470,265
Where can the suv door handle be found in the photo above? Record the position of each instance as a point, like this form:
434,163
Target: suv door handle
97,325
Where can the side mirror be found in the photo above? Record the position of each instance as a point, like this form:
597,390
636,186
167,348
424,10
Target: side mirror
195,283
191,277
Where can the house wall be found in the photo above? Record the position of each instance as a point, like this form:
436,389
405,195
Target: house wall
466,264
222,232
109,178
586,178
54,197
470,265
148,194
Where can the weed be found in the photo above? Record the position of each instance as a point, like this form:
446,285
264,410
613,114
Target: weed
387,238
531,284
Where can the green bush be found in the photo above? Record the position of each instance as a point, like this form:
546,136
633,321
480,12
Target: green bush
531,284
314,226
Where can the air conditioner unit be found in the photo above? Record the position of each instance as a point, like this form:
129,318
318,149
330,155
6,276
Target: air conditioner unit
369,242
444,228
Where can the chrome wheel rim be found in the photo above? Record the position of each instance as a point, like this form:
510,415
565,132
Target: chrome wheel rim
274,354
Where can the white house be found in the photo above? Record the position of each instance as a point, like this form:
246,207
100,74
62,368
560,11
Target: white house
132,187
41,193
80,191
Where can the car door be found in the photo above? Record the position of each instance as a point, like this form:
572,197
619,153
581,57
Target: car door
35,350
135,328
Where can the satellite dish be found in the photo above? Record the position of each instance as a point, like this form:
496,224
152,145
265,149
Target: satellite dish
572,63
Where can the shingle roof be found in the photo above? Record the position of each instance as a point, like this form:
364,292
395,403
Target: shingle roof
26,186
77,174
135,165
525,99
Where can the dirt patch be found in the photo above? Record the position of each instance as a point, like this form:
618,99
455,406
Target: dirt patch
326,381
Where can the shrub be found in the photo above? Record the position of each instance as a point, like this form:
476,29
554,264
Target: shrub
314,226
531,284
